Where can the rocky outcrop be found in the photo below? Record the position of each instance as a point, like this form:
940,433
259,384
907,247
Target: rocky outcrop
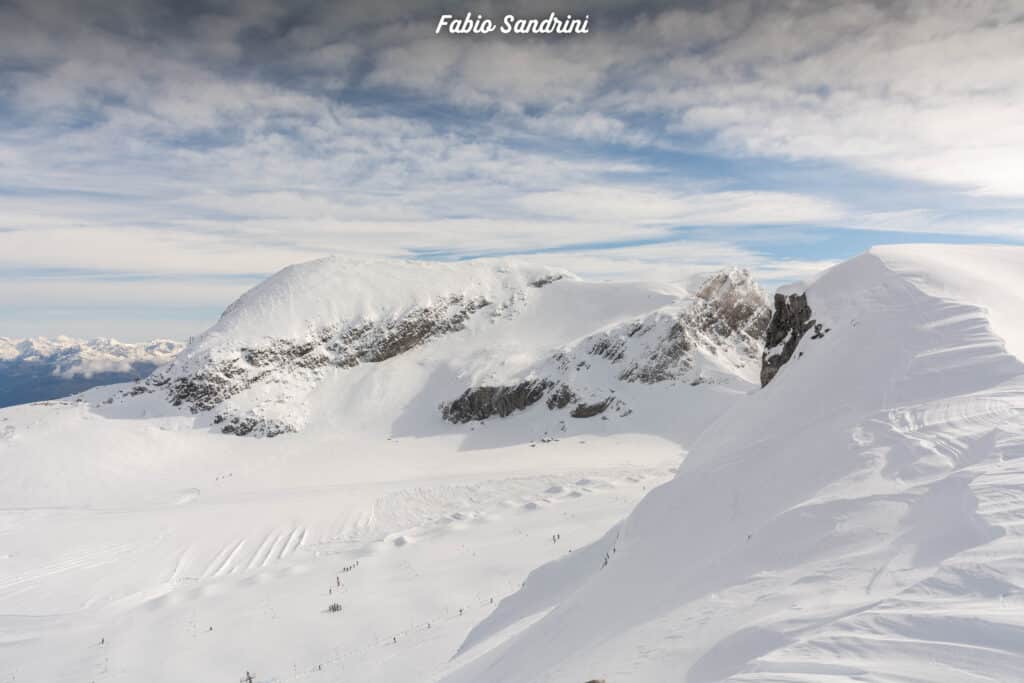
560,397
252,426
790,322
215,381
670,358
728,315
730,303
583,410
720,330
546,280
480,403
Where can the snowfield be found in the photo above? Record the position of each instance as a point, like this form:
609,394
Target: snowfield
177,555
142,540
858,518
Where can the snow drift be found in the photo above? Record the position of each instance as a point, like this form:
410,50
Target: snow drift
860,517
857,517
142,540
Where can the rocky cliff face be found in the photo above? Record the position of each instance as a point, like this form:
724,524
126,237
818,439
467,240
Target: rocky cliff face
341,346
480,403
524,337
711,338
256,371
790,321
284,361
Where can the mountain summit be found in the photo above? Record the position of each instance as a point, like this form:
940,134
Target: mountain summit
859,517
483,339
492,472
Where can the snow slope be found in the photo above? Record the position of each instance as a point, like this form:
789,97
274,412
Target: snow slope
42,368
859,518
376,346
139,541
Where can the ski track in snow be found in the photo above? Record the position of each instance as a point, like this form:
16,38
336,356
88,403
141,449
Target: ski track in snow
268,548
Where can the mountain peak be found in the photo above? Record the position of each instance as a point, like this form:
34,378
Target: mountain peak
301,299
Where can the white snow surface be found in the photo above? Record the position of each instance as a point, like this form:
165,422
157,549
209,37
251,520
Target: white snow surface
137,542
304,297
858,519
512,323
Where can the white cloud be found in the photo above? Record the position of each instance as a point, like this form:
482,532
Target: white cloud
192,149
678,262
639,207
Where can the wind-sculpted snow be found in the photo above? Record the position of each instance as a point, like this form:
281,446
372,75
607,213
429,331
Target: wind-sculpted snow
858,518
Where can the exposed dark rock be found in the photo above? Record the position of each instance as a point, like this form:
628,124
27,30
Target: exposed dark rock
591,409
546,280
330,346
729,315
607,347
480,403
735,306
248,425
560,397
789,323
670,358
411,331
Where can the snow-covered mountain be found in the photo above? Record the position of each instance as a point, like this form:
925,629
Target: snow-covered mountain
42,368
465,341
492,472
409,487
858,518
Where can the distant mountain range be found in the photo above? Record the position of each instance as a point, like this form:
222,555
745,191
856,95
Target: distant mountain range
40,368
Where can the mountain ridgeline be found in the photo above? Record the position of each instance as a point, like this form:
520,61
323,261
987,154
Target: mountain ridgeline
388,343
723,322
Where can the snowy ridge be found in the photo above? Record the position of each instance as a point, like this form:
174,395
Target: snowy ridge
301,299
517,333
714,337
860,517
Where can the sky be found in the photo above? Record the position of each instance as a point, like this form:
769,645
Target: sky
158,159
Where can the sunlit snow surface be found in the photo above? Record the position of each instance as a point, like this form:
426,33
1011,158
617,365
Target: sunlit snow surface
858,519
139,543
